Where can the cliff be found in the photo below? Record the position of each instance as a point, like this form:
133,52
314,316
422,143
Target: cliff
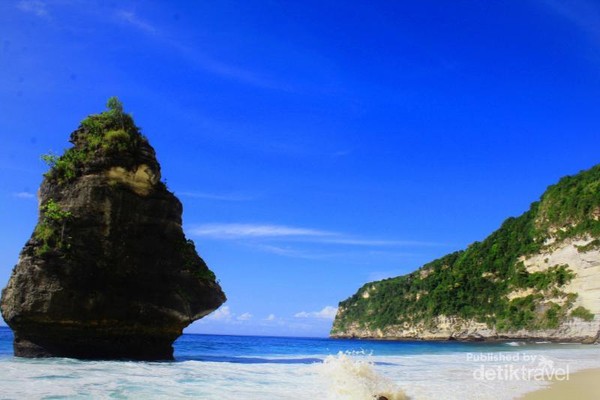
107,272
536,277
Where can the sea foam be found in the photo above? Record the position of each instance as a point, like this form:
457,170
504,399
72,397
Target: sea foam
352,376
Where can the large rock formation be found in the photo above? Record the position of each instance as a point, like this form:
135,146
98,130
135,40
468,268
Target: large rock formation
537,277
108,272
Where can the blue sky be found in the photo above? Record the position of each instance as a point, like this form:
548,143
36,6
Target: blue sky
315,145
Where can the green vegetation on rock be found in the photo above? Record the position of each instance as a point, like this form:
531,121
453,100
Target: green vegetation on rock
583,313
194,264
51,228
99,136
475,283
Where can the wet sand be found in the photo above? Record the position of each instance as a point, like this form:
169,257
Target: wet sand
582,385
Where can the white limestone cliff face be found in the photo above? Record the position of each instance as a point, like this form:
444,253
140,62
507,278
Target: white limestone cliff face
585,264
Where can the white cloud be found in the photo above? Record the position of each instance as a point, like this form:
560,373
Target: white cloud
24,195
222,314
35,7
327,312
244,317
232,231
271,317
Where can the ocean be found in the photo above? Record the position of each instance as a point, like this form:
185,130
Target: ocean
245,367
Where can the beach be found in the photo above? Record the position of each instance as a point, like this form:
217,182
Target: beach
582,385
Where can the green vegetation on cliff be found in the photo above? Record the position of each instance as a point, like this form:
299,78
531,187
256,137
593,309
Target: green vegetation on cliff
474,283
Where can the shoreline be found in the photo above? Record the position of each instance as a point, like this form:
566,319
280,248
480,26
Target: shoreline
550,340
581,385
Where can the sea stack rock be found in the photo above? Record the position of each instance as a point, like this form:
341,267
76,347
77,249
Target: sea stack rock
107,272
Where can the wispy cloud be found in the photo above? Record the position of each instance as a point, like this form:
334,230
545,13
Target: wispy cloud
221,314
271,317
310,253
585,15
227,70
267,233
288,251
376,242
244,317
215,196
134,20
35,7
24,195
197,57
225,315
341,153
328,312
380,275
236,231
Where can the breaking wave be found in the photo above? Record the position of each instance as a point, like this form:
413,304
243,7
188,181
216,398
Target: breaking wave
352,376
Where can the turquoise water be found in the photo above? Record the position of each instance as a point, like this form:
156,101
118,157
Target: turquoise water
256,349
241,367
